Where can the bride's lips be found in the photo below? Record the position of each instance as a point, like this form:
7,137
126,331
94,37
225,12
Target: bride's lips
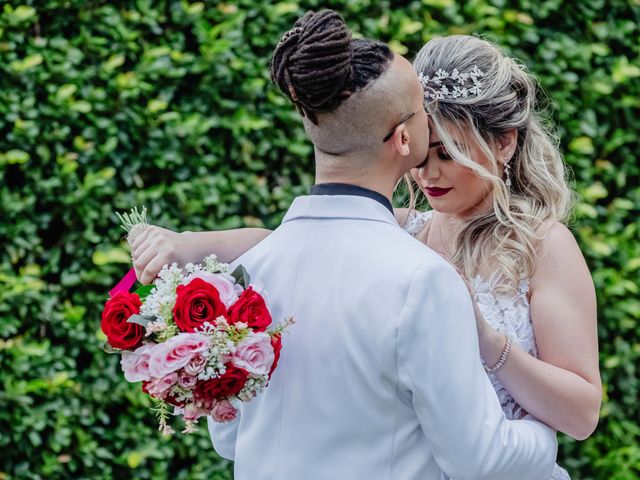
436,191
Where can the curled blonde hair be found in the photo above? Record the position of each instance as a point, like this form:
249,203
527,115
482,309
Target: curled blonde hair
508,235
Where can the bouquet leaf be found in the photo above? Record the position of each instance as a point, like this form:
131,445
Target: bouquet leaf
144,291
109,349
141,319
242,276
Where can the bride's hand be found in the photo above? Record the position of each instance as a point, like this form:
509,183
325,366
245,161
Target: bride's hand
491,341
155,247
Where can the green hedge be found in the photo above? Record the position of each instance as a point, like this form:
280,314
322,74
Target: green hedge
107,105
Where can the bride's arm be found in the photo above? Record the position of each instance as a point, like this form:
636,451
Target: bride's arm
562,388
158,246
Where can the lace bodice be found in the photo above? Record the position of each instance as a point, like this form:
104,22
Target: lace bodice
509,313
511,316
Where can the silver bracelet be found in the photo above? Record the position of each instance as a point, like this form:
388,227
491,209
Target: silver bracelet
501,361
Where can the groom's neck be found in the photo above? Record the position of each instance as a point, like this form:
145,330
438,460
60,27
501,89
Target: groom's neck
383,182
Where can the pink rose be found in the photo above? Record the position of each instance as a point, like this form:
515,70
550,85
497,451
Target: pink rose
159,386
254,354
175,353
223,411
191,413
136,364
187,381
223,283
196,364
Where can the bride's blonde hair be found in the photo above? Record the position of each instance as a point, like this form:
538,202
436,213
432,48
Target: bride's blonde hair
539,194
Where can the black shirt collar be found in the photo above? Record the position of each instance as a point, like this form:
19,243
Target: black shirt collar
346,189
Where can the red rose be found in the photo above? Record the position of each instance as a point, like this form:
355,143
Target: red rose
251,309
120,333
220,388
276,343
196,303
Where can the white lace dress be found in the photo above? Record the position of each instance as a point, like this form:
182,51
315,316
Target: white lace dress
509,314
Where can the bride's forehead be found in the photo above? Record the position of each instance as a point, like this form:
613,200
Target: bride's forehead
454,135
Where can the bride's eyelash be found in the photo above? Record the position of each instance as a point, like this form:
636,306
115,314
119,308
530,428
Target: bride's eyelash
443,155
423,163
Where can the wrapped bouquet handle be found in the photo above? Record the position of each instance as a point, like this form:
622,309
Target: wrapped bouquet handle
134,223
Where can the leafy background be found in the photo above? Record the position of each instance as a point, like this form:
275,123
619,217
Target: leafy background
106,105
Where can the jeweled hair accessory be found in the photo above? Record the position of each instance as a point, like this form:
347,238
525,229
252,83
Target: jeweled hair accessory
285,37
459,84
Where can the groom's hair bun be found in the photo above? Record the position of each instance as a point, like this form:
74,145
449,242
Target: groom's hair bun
318,65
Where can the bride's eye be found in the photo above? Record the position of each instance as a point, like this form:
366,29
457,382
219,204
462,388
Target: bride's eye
423,164
443,155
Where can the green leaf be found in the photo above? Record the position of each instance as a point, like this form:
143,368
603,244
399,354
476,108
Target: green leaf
134,459
144,291
438,3
398,47
110,255
23,13
195,8
601,248
15,157
114,62
633,264
156,105
595,192
66,91
81,106
32,61
107,348
141,319
284,8
623,70
242,276
582,145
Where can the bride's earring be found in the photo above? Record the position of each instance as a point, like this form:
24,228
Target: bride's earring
507,172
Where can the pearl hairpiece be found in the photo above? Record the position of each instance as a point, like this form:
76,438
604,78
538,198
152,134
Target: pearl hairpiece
293,31
458,83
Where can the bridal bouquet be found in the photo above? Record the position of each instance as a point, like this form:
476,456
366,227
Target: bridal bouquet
197,339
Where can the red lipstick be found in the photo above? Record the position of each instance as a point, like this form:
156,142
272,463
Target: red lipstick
437,192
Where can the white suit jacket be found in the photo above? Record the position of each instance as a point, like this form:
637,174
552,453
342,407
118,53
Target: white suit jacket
380,376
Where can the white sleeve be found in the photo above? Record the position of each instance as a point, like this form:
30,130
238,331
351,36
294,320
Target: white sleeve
439,362
223,436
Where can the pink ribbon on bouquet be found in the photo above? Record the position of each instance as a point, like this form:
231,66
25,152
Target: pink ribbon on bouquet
125,284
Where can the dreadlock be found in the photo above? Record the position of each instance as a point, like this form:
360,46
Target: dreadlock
317,64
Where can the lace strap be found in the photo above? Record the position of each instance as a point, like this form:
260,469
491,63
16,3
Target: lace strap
416,221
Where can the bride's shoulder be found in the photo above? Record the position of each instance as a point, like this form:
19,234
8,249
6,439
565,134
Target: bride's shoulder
556,238
557,254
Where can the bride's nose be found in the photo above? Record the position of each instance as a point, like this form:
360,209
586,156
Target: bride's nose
430,170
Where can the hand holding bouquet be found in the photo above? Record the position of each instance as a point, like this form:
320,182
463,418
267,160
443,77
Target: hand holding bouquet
197,339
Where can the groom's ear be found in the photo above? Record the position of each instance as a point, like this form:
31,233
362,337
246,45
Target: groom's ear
400,140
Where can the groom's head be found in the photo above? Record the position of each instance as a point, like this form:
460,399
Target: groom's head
351,93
